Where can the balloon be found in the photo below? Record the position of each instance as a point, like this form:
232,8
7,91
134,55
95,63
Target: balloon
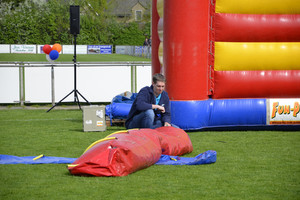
54,54
56,47
47,48
49,59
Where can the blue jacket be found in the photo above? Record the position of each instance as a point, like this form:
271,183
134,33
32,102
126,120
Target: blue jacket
144,101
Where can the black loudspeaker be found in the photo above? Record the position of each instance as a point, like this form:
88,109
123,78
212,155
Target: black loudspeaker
74,20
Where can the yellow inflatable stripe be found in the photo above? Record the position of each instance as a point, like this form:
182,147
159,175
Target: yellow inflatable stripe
123,131
98,141
237,56
258,6
73,165
38,157
174,159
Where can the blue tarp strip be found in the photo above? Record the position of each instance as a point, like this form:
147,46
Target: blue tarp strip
207,157
203,158
8,159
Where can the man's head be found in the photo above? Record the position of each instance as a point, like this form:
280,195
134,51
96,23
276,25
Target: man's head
158,82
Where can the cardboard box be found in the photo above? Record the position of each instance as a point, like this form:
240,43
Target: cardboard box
94,118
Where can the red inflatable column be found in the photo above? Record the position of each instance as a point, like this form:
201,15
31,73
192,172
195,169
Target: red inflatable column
155,39
186,39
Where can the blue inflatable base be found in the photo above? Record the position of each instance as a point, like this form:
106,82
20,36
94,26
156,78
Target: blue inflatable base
195,115
224,114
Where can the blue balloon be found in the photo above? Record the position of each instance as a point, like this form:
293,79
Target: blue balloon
53,54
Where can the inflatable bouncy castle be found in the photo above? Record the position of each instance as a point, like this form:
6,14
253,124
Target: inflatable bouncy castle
229,63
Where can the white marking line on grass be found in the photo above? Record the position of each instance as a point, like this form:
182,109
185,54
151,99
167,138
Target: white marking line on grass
29,120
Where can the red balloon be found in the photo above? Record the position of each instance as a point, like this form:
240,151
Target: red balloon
47,48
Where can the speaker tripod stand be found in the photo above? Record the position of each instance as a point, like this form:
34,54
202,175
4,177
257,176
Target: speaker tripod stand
75,91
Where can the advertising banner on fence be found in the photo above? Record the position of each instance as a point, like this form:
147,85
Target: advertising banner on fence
22,48
99,49
93,49
105,49
69,49
283,111
139,50
4,48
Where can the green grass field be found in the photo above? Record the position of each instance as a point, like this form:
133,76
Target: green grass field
250,164
69,57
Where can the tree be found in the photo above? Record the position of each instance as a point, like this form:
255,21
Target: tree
13,3
92,22
48,22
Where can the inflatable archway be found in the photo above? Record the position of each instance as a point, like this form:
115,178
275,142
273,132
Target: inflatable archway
229,63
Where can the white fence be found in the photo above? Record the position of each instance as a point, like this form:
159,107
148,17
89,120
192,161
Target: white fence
66,49
141,51
41,82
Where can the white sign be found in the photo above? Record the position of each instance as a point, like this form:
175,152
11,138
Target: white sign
4,48
23,48
283,111
80,49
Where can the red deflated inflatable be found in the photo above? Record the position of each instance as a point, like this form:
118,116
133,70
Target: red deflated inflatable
174,141
125,152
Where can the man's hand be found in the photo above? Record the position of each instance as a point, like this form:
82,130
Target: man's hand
167,124
158,107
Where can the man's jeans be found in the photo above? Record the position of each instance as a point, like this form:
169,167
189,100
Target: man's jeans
145,120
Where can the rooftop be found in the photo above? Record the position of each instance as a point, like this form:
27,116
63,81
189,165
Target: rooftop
124,7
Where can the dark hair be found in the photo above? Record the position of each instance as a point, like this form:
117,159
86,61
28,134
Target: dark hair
158,77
